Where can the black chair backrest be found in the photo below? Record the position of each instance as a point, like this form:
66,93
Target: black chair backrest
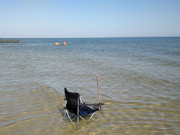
72,101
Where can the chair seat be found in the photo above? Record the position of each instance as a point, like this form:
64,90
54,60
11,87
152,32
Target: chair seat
85,110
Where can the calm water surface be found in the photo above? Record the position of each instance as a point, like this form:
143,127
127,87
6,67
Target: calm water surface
139,83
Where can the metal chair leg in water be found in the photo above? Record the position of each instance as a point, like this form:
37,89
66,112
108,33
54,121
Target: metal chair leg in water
76,126
70,118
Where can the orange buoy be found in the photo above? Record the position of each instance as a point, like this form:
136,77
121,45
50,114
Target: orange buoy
57,43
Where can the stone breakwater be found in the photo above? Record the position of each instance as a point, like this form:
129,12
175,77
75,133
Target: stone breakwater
10,41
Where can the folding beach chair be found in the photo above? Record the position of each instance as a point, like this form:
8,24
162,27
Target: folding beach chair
76,107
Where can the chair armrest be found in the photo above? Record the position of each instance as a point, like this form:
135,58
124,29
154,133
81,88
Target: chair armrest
99,104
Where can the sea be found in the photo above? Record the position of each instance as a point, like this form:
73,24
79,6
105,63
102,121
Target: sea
139,83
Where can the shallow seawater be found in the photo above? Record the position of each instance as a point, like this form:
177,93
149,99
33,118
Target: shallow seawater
139,81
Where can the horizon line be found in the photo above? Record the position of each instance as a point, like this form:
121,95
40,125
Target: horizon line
101,37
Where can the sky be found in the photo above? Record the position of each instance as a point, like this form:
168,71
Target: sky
89,18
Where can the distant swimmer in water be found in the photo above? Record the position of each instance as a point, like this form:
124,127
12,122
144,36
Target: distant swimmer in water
64,43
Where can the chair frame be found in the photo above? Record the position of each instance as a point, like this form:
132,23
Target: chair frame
78,116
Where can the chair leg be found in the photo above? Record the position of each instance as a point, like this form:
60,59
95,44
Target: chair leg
91,116
70,118
77,126
88,119
77,121
78,114
82,118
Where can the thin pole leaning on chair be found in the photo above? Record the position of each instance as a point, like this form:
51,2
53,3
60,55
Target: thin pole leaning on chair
98,91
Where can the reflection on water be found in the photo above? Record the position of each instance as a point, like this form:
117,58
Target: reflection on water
141,94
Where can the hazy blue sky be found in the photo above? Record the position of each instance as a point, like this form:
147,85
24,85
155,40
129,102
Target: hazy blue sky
89,18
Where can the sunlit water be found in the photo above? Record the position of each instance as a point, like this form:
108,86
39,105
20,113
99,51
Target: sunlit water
139,85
